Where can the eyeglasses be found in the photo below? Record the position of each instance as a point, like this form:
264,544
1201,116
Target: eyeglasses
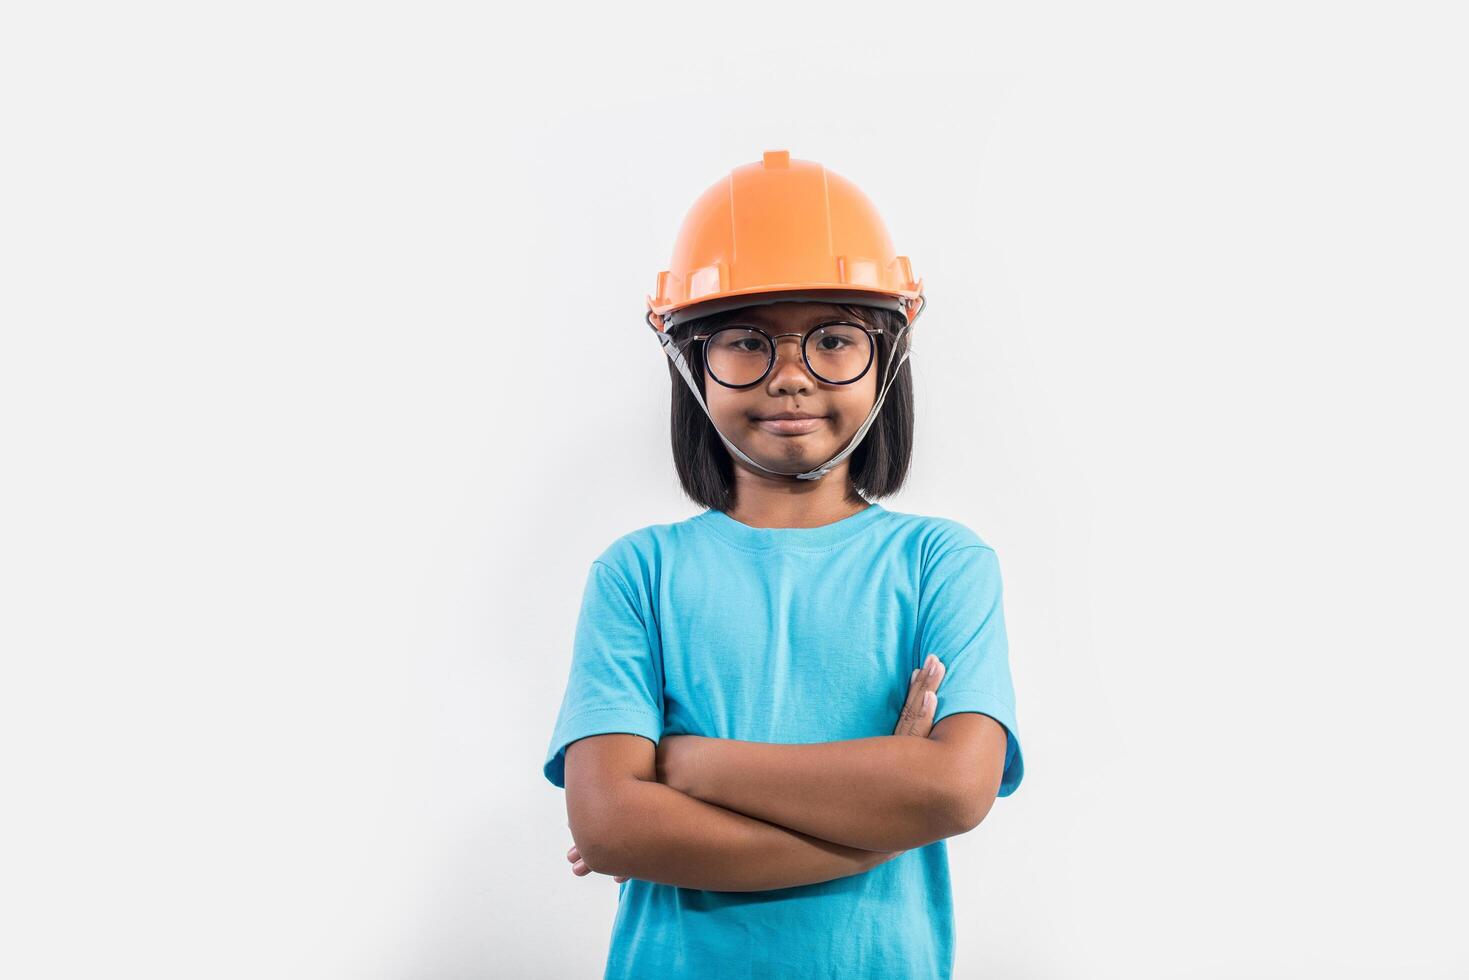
837,353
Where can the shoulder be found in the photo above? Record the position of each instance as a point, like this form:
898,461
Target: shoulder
929,538
951,562
637,556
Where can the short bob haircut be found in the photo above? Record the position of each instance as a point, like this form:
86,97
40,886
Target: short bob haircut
877,467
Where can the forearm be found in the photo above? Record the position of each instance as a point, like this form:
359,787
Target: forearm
885,793
656,833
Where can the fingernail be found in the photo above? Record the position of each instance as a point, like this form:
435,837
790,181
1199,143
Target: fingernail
913,676
928,699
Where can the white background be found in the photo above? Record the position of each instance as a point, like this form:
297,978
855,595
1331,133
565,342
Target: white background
324,377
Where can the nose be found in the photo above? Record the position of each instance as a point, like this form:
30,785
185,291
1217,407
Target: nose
788,375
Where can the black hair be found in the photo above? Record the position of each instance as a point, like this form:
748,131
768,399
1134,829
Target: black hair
877,467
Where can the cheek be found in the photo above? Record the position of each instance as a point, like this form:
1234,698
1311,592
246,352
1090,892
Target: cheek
726,406
853,405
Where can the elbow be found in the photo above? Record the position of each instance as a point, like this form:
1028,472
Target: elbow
597,856
965,805
603,838
602,847
607,829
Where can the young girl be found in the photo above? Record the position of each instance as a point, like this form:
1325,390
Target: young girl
752,739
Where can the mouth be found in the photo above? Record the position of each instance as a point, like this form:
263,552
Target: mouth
791,424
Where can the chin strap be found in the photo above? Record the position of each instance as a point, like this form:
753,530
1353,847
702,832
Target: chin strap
671,349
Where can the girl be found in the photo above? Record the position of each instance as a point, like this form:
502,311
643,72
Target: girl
751,738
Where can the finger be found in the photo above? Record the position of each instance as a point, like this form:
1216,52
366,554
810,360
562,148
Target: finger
621,878
915,689
573,855
925,678
911,705
913,721
933,673
923,724
922,679
580,869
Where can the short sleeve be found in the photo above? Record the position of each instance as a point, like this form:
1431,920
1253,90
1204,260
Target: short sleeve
962,622
614,682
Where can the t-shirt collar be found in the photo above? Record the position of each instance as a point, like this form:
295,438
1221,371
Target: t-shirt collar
791,538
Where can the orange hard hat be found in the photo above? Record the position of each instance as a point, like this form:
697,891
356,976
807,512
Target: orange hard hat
782,229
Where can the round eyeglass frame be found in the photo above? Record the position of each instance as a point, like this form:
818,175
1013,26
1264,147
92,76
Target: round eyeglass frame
871,332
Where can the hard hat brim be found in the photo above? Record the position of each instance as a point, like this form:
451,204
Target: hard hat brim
794,293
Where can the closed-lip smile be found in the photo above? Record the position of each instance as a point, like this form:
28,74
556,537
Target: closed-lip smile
790,423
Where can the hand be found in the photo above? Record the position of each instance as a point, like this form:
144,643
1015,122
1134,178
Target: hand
918,710
579,867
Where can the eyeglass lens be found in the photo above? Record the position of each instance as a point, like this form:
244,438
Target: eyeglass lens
838,353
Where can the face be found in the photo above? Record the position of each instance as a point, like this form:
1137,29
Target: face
837,410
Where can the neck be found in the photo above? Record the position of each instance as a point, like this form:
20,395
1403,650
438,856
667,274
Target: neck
762,500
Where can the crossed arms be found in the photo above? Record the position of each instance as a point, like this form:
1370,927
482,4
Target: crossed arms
727,815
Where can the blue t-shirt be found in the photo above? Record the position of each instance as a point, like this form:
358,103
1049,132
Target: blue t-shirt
793,635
